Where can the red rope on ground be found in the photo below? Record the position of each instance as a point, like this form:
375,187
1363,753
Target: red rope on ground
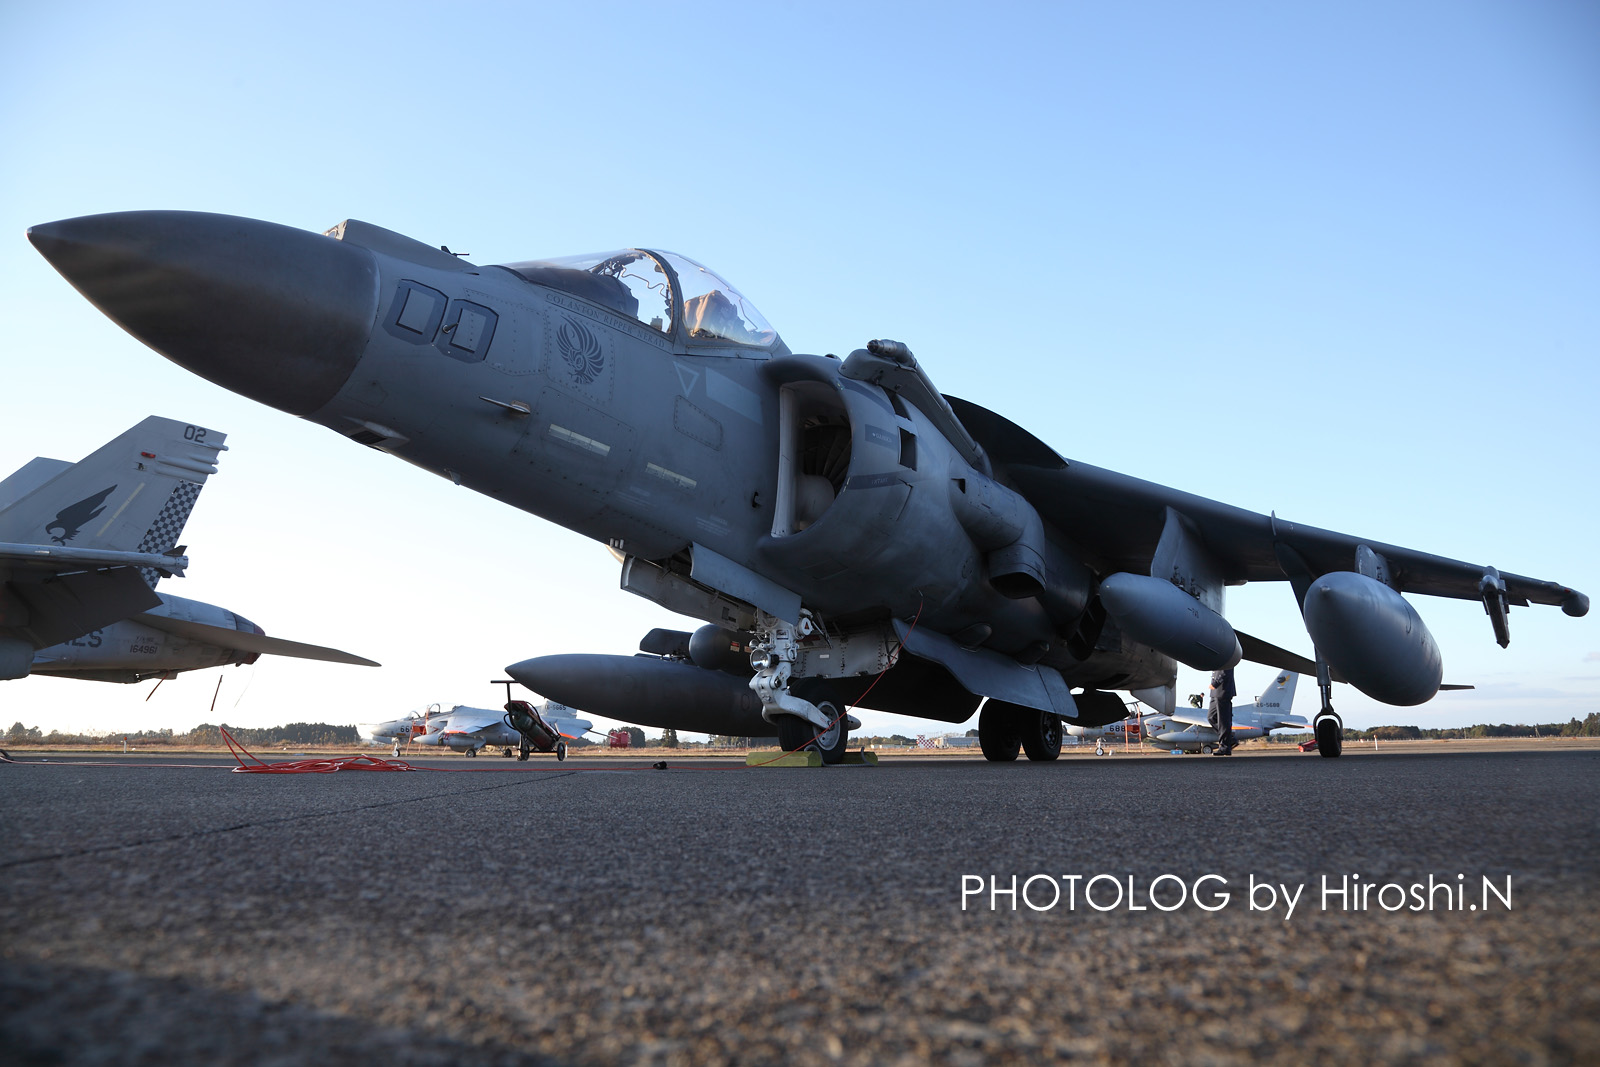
892,661
325,765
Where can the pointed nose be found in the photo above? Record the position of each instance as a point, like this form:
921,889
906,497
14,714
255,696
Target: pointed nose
278,314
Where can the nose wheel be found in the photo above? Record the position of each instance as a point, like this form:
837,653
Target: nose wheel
795,733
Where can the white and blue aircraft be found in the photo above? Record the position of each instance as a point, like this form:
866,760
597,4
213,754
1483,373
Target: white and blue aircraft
1190,729
467,730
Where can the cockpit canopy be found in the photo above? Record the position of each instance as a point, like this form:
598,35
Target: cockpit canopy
657,289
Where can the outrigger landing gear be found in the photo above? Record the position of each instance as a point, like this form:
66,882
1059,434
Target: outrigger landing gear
524,751
1327,726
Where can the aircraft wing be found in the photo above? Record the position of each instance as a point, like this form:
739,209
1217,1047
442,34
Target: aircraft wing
571,729
1117,521
472,720
248,642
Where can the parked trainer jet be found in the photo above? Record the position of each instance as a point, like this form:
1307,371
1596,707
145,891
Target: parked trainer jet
464,729
396,732
1190,729
82,546
844,513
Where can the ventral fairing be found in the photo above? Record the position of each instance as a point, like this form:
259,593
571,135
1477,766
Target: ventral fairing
844,515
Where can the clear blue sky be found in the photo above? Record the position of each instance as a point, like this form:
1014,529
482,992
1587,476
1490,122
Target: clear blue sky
1341,261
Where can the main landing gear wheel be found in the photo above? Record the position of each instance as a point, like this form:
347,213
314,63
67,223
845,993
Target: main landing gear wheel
796,734
1041,735
1000,733
508,752
561,751
472,752
1330,735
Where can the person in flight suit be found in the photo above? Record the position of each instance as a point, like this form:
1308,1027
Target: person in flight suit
1221,711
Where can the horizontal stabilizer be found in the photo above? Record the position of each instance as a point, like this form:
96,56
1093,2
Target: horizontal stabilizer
240,641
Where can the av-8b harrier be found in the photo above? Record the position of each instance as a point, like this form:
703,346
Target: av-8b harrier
839,516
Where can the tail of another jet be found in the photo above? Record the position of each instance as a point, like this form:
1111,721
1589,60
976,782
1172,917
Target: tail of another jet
133,494
1278,697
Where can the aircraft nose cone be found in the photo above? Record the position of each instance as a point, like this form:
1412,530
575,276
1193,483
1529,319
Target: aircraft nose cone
278,314
554,672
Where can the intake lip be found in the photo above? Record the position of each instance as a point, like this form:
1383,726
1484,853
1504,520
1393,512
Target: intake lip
278,314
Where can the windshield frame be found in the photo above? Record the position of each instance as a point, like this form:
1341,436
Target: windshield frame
677,332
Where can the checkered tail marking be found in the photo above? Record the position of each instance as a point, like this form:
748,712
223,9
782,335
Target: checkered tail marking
163,533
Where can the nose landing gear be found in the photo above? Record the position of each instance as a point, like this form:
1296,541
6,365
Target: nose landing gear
799,723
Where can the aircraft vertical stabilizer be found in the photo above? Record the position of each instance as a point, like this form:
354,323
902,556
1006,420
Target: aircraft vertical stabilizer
133,494
83,544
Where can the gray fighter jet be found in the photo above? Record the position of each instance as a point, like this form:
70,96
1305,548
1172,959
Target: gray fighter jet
846,515
82,546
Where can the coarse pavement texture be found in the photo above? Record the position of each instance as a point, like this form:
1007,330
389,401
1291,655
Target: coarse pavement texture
600,913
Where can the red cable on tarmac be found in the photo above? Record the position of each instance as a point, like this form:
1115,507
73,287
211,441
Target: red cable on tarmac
326,765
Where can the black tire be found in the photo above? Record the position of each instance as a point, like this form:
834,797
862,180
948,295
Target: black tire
794,733
561,751
1041,735
472,752
999,732
1330,736
836,738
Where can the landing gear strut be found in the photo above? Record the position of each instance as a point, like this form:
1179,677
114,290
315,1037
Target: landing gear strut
1327,726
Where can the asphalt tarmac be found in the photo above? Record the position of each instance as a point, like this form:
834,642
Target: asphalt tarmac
601,912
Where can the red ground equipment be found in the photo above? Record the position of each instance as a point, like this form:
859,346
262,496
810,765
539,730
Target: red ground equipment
537,735
618,739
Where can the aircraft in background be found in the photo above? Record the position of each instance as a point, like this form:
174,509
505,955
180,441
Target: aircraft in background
469,730
849,517
396,732
82,546
1191,730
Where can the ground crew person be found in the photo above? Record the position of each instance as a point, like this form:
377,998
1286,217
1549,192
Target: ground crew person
1221,711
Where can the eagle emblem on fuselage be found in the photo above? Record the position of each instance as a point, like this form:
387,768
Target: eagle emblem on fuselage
70,519
581,350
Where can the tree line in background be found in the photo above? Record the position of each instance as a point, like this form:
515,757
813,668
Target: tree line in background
1588,727
296,733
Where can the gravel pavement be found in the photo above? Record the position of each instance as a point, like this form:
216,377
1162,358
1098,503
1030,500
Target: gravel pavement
602,913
